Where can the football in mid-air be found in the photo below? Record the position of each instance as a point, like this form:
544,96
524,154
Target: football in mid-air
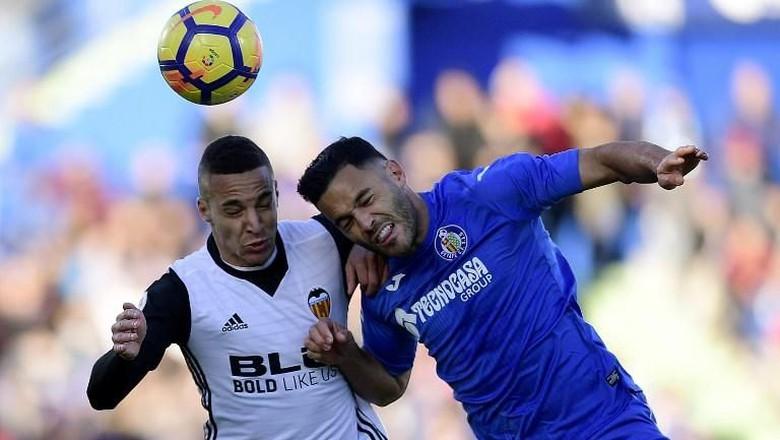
210,52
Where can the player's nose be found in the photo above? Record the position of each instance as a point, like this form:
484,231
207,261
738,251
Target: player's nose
253,223
365,221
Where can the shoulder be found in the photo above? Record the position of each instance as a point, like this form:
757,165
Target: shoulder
302,231
166,307
496,172
168,292
491,177
194,262
169,282
312,240
316,232
452,183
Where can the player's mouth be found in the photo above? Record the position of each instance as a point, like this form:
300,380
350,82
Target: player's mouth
384,235
258,245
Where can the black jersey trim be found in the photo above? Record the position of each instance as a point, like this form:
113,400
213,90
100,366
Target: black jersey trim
268,279
366,432
343,244
210,427
364,423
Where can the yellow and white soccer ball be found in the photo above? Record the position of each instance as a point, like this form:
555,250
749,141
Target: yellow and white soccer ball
210,52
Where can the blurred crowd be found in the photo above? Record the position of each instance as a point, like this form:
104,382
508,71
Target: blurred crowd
684,286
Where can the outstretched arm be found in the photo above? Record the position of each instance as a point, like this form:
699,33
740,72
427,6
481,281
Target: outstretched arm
637,161
331,343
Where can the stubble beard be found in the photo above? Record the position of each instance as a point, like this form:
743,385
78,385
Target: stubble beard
408,217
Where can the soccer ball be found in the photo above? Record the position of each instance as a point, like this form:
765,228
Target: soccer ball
210,52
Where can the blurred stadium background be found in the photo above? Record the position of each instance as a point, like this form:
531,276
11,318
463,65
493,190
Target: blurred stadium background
98,161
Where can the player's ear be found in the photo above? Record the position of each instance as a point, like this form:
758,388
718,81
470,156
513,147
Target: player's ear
276,191
396,172
203,210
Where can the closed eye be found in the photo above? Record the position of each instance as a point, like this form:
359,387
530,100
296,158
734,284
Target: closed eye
346,225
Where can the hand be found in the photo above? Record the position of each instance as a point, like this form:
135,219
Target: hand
128,332
677,164
366,268
329,342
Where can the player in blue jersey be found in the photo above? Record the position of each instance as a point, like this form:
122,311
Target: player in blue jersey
475,277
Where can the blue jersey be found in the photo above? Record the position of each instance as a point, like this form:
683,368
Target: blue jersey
494,301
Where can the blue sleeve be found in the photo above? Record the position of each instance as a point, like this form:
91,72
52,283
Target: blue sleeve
522,185
391,345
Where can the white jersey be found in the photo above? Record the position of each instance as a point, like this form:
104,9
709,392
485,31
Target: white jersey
245,344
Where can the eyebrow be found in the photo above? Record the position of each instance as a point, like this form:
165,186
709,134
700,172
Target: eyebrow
362,193
237,202
231,202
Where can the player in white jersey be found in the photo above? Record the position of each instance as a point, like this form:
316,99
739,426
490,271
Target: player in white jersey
240,309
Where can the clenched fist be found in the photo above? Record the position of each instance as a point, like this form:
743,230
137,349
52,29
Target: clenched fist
128,332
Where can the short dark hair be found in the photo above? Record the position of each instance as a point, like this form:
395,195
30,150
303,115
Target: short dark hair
354,151
231,154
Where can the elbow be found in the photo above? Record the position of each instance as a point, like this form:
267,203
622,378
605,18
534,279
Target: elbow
387,399
384,402
393,392
99,402
101,406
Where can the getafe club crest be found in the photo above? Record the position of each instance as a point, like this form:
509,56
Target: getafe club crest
451,241
319,302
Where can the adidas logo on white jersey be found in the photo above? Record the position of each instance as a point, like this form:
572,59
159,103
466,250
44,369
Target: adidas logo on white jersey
234,323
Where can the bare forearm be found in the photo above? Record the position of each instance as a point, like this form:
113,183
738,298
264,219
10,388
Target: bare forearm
331,343
625,161
370,380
